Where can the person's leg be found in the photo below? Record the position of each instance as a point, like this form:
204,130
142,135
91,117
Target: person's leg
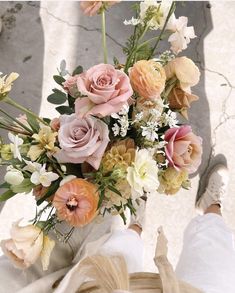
122,241
207,260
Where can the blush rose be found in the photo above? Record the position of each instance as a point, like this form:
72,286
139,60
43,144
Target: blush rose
107,91
82,140
183,149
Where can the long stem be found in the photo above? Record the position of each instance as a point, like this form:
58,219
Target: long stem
171,10
104,36
11,102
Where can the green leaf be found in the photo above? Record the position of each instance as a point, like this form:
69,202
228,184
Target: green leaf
113,189
115,61
51,190
26,186
57,97
6,195
34,124
64,110
5,185
78,70
102,195
58,79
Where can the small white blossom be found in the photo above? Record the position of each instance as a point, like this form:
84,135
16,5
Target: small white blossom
169,118
150,131
122,125
155,12
132,21
138,117
43,177
116,129
16,143
32,166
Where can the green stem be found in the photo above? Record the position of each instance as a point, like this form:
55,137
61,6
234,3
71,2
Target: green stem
17,121
11,102
135,48
104,36
171,10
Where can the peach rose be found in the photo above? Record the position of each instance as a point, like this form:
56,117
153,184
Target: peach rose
26,245
106,88
185,70
82,140
91,8
183,149
148,78
76,202
55,124
181,100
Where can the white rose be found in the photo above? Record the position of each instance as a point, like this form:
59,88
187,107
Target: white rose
26,245
14,176
143,175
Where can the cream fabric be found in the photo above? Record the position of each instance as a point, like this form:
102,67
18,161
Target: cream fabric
208,256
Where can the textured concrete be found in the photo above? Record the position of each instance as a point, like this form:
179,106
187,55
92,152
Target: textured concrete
63,33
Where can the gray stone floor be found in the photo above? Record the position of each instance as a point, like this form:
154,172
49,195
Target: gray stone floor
33,42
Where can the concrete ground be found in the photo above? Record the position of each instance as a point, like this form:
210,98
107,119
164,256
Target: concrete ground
35,39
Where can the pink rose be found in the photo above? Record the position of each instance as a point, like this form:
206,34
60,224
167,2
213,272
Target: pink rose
106,88
55,124
184,148
70,85
91,8
82,140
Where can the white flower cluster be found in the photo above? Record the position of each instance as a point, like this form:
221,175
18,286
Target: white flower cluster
122,125
169,118
150,131
155,13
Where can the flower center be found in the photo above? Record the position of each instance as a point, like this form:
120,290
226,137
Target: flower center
78,133
72,204
104,80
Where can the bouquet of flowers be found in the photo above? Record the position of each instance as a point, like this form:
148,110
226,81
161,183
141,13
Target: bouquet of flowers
116,138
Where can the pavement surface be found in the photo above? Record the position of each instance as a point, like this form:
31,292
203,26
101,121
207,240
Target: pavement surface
36,36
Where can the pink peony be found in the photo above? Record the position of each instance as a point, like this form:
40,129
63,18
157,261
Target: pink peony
184,148
82,140
106,88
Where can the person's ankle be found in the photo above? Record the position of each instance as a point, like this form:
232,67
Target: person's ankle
213,209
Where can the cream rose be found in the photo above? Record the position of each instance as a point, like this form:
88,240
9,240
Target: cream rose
26,245
185,70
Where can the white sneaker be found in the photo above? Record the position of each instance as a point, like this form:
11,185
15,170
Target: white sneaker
216,188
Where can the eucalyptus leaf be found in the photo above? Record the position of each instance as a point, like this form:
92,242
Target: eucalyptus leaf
78,70
64,110
59,79
57,98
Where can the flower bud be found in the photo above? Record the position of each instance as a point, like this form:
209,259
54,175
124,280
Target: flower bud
14,177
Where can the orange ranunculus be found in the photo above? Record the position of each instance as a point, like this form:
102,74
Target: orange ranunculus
76,202
148,78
